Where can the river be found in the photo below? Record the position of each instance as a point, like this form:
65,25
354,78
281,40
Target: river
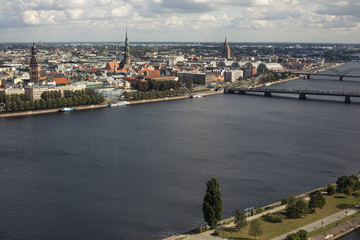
139,171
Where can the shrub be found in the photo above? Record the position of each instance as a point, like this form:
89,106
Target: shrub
330,190
259,210
288,200
274,218
252,212
297,209
300,235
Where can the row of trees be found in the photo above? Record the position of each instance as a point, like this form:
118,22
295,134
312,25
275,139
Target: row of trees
296,208
154,94
52,100
347,183
153,85
269,77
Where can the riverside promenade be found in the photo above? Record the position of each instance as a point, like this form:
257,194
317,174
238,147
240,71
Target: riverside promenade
323,222
335,233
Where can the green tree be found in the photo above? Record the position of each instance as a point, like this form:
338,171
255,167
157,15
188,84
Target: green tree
255,229
32,105
354,182
342,183
88,99
75,100
20,104
330,189
189,84
48,103
347,191
317,200
14,106
43,104
212,204
348,181
240,220
8,105
80,100
27,105
297,209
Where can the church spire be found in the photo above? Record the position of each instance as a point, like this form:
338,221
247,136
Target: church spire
225,51
127,50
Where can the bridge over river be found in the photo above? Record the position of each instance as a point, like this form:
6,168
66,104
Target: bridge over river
302,93
331,72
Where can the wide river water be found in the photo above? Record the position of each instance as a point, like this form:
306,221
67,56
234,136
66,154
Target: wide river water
139,172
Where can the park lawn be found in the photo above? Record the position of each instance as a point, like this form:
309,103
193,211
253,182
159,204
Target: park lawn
333,205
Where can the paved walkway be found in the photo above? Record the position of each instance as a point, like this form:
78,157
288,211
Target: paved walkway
309,228
207,235
326,221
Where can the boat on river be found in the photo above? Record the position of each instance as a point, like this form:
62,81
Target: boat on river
67,109
122,103
200,95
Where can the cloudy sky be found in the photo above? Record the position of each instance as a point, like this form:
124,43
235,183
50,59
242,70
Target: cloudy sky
327,21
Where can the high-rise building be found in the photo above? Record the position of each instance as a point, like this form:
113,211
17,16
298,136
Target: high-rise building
34,68
225,50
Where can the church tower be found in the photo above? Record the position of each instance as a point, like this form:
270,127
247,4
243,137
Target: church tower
125,63
225,50
127,50
34,68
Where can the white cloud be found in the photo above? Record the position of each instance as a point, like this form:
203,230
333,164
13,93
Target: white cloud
208,17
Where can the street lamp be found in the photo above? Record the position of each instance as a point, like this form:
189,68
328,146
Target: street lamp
322,223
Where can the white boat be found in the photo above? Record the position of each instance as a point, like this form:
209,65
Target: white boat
267,84
122,103
200,95
67,109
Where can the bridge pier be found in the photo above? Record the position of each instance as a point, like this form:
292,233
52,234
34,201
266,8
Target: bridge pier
341,78
267,94
308,76
347,99
302,96
242,92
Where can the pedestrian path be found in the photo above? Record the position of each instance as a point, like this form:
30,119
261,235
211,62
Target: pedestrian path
208,234
309,228
323,222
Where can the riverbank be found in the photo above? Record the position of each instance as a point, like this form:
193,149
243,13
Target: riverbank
309,223
88,107
47,111
171,98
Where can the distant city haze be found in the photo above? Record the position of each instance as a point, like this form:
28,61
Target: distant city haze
180,21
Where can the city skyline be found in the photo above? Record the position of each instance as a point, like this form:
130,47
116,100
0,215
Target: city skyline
187,21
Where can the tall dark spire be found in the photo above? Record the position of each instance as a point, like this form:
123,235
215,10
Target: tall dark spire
127,50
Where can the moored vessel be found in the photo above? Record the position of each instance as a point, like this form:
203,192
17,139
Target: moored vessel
67,109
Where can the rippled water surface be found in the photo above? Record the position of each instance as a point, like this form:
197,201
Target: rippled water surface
139,172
